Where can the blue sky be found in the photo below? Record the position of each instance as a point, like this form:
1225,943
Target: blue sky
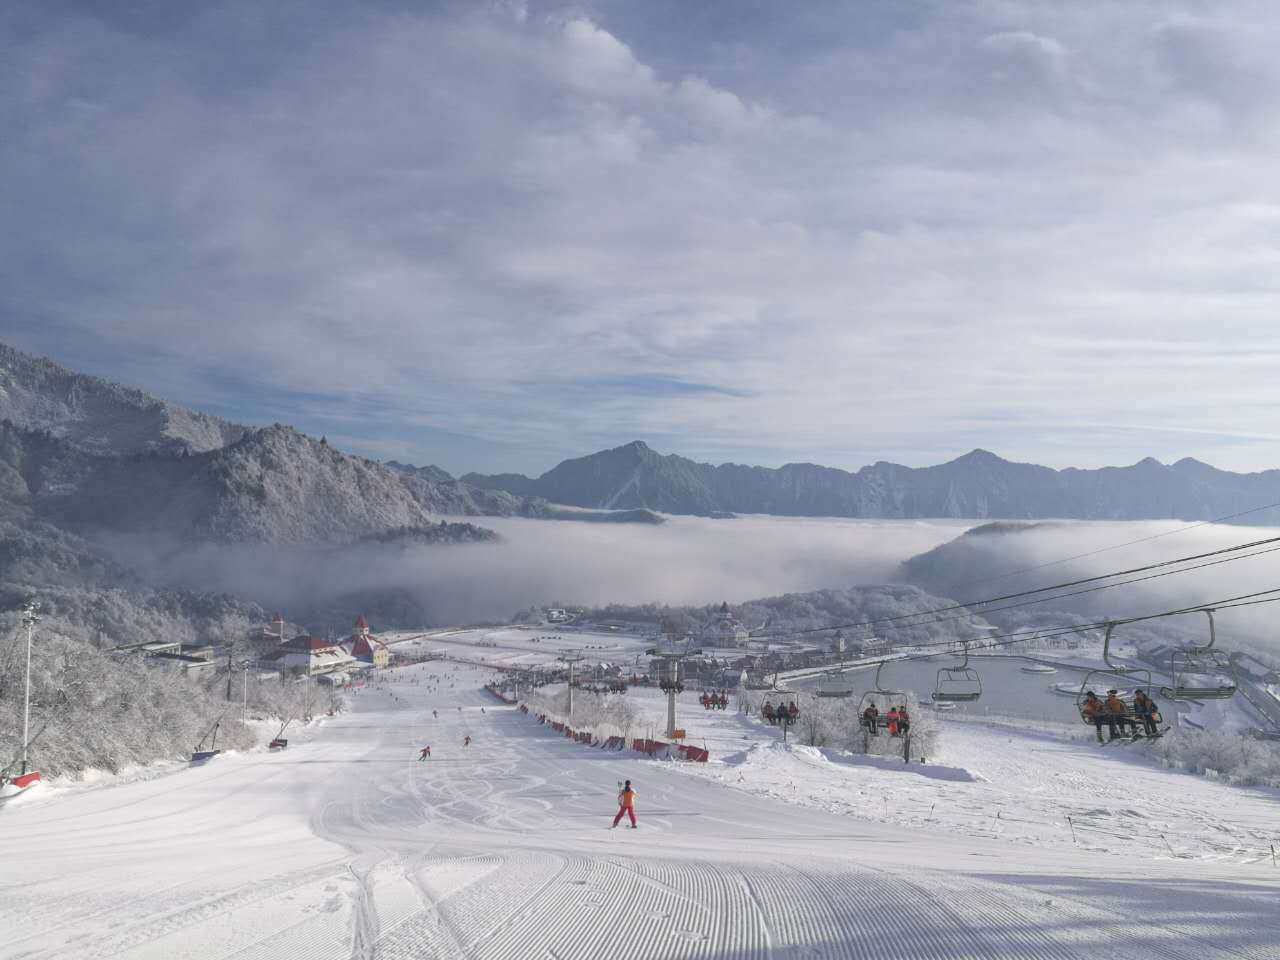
494,235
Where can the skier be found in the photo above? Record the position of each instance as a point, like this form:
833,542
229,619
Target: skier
424,753
904,719
466,741
435,714
894,716
626,804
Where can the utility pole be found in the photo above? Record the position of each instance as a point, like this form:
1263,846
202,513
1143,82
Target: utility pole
229,669
571,659
30,617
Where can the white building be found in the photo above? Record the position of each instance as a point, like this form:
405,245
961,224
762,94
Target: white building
309,655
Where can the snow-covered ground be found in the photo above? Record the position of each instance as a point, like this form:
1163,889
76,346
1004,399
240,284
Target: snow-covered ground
345,845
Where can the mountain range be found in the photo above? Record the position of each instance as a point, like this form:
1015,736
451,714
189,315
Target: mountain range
975,486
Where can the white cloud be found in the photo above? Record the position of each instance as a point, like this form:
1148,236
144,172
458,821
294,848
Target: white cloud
874,237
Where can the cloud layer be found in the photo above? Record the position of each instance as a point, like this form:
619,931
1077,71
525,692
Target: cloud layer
497,235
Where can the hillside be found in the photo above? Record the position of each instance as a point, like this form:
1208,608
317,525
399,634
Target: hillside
976,485
274,485
99,416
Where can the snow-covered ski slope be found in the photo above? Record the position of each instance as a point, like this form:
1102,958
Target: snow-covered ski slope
345,845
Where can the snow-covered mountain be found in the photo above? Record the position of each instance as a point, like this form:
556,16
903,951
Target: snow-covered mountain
976,485
274,485
99,416
429,472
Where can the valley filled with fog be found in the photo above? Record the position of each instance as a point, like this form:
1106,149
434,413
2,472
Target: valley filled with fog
691,561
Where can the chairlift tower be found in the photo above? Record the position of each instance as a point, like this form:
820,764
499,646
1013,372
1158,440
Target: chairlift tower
571,659
30,617
669,678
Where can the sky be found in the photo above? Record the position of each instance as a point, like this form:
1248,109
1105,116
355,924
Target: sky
494,235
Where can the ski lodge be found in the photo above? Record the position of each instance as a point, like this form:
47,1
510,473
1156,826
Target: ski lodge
310,656
366,649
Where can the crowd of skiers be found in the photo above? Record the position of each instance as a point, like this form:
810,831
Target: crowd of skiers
897,720
1115,713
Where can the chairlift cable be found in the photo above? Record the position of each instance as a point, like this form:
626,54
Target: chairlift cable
1117,546
971,605
1105,586
1022,636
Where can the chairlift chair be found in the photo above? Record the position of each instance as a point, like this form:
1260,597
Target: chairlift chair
1189,667
879,691
960,684
834,684
1120,675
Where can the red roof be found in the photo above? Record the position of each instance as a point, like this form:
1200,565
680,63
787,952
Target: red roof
363,646
361,623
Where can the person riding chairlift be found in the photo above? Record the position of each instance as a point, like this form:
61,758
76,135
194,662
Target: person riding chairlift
767,711
1144,708
792,711
904,719
893,716
870,717
1119,713
1095,711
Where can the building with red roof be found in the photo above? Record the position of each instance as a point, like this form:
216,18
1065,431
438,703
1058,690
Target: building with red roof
309,655
364,647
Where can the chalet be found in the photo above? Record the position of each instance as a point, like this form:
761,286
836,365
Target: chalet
365,648
308,655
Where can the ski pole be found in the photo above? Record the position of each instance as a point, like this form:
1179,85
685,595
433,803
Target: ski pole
1169,845
1073,829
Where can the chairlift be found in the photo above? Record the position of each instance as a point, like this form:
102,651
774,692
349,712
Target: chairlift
870,729
1119,675
834,683
958,684
1191,666
879,691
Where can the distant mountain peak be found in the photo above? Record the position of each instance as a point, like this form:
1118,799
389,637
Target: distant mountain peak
979,455
978,485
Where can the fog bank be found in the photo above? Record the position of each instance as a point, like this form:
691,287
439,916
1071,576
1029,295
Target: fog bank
688,560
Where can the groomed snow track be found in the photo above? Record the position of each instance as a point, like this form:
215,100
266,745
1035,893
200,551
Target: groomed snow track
347,847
